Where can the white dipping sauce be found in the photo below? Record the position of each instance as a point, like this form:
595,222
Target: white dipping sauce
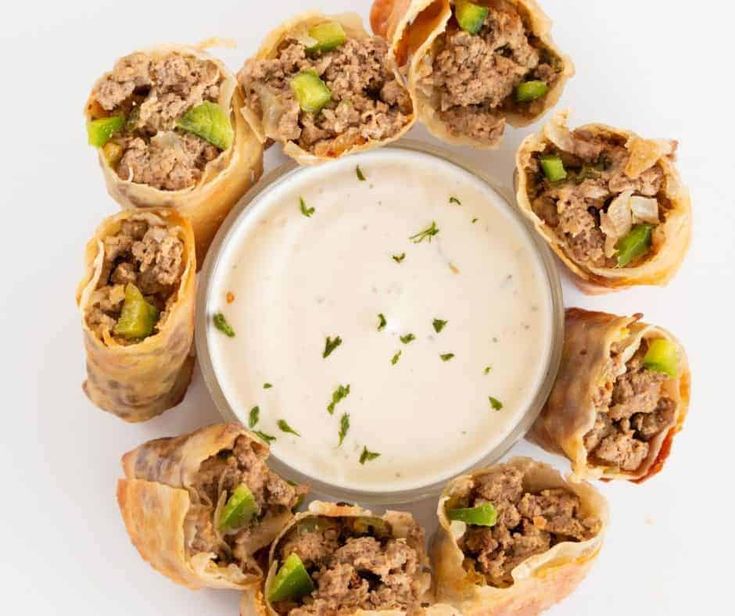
298,279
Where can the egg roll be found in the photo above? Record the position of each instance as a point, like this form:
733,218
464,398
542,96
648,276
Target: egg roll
323,87
472,67
609,203
342,559
514,538
203,508
167,125
136,301
620,397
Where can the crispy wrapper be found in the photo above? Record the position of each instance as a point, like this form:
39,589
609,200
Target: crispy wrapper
154,499
541,580
354,29
670,239
225,179
414,26
254,603
139,381
586,372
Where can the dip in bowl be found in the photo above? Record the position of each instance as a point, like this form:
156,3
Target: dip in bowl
386,321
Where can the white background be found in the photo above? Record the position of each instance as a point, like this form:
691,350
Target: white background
662,68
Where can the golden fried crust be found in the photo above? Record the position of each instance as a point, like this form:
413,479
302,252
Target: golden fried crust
413,26
585,375
670,239
224,181
353,27
139,381
540,581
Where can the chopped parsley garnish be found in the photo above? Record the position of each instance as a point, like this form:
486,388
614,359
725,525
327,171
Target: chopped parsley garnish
360,174
407,338
474,220
284,427
267,385
381,322
331,344
344,426
395,358
487,369
306,211
368,455
495,403
446,356
253,417
455,200
221,324
266,437
399,258
439,325
338,395
425,234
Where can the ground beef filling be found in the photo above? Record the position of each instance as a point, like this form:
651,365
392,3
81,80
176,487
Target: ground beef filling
215,481
528,524
148,256
153,94
637,411
595,177
368,103
475,75
353,569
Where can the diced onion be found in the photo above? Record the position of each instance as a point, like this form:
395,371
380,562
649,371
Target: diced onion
617,221
644,209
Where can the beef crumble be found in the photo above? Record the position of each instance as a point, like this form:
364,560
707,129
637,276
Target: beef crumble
368,102
635,411
152,93
148,256
353,566
474,76
528,523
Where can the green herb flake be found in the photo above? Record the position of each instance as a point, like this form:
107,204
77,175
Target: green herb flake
220,322
425,234
455,200
360,174
306,211
439,325
487,369
344,426
399,258
408,338
266,437
495,403
447,356
284,427
368,455
253,417
330,344
381,322
474,220
395,358
338,395
267,385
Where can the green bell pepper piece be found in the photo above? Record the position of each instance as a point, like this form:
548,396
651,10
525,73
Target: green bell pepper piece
470,16
210,122
328,36
530,90
137,318
553,168
482,515
662,356
100,131
310,91
291,582
239,509
634,244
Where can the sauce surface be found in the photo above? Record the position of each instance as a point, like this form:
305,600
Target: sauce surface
419,241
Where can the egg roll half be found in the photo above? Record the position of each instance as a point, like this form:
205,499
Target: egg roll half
203,508
167,125
473,66
620,397
609,203
346,561
136,301
514,538
323,87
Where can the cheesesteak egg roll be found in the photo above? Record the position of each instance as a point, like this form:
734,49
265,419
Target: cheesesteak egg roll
340,559
514,538
621,395
609,203
167,125
473,66
203,508
323,87
137,307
